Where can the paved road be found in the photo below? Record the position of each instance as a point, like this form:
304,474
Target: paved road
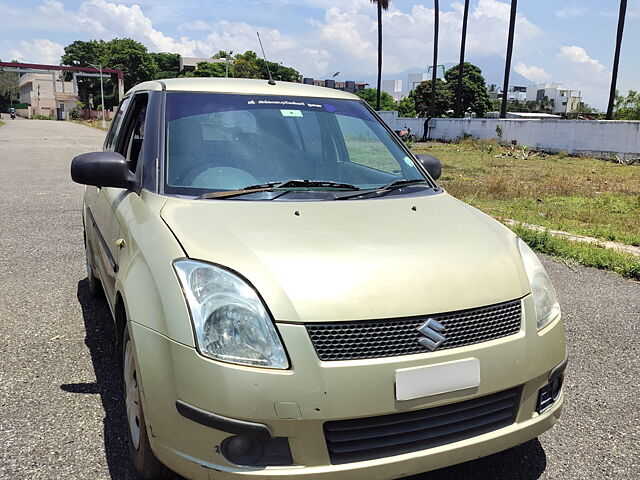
60,414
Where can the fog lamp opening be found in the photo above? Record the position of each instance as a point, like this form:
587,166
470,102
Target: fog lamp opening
549,394
255,451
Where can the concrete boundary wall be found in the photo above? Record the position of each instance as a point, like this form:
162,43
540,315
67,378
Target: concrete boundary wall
598,138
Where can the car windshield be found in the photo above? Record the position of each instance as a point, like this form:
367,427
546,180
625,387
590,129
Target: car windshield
228,142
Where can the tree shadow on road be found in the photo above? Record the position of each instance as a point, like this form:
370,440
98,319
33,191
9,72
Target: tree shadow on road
101,341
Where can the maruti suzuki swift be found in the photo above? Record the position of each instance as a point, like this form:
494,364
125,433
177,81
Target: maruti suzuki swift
295,296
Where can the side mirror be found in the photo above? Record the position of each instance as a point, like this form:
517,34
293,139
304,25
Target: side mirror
102,169
431,164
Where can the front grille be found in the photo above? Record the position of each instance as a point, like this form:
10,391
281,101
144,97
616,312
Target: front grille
377,437
392,337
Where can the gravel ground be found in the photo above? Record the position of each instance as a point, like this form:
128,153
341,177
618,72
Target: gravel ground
60,413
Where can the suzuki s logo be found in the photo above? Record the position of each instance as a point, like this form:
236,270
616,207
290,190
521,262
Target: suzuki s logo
432,331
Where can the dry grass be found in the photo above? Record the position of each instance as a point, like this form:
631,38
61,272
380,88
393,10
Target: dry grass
95,123
577,194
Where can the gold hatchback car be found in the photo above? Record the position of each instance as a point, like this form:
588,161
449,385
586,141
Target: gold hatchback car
294,296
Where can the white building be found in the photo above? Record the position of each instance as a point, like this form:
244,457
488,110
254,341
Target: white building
415,79
562,100
36,89
393,88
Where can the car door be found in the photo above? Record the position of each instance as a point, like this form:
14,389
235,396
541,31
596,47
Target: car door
126,139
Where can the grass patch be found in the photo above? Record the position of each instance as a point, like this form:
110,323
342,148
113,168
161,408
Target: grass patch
580,195
1,123
592,255
96,123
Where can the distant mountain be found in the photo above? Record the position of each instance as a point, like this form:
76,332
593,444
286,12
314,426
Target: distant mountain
493,72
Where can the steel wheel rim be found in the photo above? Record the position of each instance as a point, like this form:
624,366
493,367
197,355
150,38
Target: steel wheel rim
132,396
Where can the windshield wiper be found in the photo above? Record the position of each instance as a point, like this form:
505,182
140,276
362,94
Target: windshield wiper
384,189
400,183
264,187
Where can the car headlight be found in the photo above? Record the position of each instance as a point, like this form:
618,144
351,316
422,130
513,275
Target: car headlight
230,320
544,295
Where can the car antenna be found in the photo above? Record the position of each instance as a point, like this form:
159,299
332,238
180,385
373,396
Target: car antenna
271,80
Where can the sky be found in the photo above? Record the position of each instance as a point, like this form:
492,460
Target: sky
571,42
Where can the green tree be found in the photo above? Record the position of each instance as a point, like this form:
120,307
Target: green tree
422,97
123,54
246,65
209,69
85,54
167,64
133,59
407,107
370,96
627,108
474,89
9,92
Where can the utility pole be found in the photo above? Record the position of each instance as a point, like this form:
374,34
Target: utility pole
616,58
507,65
104,124
434,74
378,93
459,105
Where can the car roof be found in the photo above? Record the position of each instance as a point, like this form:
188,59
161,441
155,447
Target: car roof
241,86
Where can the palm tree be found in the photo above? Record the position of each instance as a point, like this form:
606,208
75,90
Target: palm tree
463,41
616,58
382,5
507,65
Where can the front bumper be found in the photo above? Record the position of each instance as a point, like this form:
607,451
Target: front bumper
295,403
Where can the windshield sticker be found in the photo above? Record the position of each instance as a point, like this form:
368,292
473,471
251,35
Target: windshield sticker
190,104
408,161
291,113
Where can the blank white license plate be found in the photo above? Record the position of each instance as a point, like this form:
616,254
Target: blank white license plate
419,382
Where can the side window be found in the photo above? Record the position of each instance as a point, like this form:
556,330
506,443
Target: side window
116,125
130,140
364,147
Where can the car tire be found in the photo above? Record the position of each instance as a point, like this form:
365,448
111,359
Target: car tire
93,283
142,457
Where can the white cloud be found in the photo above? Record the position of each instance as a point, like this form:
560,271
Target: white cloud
584,73
350,34
39,50
535,74
344,39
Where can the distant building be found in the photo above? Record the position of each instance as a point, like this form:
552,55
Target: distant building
190,64
415,79
347,86
36,90
514,93
561,100
393,88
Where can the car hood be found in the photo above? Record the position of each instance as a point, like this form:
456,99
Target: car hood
355,259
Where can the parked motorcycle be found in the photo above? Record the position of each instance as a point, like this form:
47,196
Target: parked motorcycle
13,115
406,135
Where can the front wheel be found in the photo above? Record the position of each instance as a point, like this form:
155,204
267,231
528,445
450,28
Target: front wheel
140,451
